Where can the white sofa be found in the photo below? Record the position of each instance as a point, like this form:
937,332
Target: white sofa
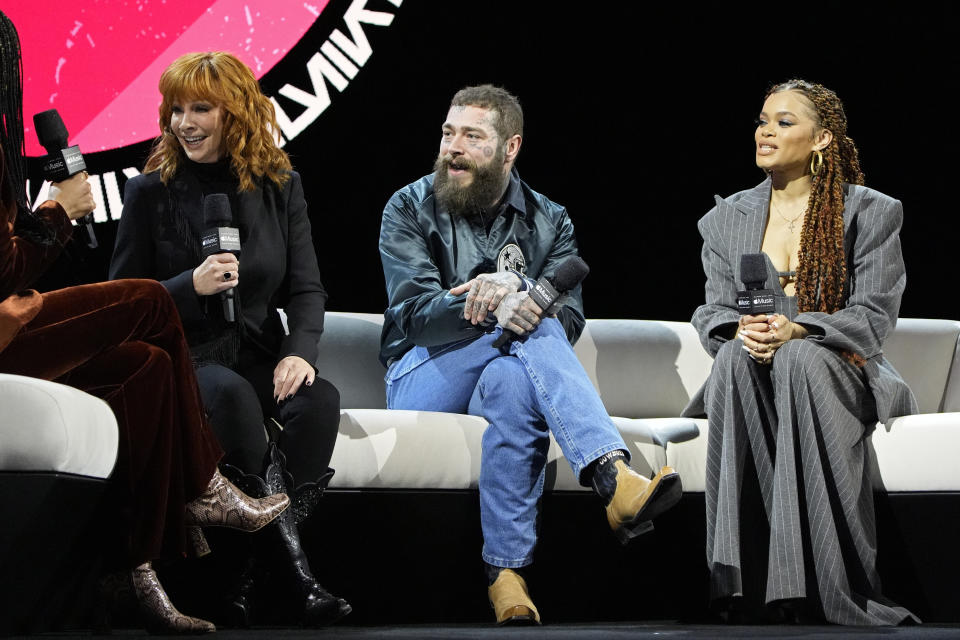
645,372
409,478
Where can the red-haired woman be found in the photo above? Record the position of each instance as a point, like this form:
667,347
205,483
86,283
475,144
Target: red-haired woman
121,341
218,137
793,394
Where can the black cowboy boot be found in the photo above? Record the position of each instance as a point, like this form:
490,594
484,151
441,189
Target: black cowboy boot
236,609
319,607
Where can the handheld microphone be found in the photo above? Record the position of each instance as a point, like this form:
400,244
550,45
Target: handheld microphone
547,291
220,237
753,273
62,161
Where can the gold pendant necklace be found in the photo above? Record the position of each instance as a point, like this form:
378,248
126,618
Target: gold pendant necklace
790,222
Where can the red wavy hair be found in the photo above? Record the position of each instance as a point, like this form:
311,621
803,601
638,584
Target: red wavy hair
249,126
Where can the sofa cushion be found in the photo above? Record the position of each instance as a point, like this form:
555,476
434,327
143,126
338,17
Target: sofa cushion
397,449
925,352
47,426
917,453
645,371
380,448
643,368
349,358
910,453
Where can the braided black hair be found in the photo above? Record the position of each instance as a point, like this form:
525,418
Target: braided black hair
14,190
822,271
11,109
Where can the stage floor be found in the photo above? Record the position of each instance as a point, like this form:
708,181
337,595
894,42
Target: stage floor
616,631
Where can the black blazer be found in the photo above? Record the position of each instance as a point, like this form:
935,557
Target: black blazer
278,263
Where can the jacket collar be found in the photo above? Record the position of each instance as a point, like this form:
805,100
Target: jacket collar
754,204
513,197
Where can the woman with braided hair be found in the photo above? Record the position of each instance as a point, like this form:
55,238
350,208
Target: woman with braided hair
793,394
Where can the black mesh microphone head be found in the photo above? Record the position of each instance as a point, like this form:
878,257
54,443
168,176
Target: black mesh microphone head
570,273
51,132
216,210
753,270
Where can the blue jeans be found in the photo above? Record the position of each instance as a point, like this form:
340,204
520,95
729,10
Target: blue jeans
539,386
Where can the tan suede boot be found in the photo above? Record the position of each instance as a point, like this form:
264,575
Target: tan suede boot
637,500
511,601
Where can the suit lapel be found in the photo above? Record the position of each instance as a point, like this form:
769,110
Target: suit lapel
748,224
745,221
754,205
848,208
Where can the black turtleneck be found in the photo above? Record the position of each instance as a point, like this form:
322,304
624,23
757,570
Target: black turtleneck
215,177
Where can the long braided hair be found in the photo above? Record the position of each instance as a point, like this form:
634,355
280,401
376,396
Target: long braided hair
822,269
11,113
13,191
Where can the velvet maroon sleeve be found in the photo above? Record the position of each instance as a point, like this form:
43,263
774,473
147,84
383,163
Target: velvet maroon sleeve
22,260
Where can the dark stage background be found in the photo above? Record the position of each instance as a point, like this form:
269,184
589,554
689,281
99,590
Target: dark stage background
636,117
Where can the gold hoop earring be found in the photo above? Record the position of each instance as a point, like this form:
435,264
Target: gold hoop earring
816,162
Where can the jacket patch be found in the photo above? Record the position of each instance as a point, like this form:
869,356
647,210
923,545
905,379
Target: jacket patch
511,257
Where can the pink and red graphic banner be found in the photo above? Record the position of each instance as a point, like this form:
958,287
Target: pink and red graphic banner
98,62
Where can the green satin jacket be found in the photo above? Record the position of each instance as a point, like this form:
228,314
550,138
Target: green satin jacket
425,252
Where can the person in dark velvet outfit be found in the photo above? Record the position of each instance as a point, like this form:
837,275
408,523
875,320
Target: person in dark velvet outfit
123,342
216,139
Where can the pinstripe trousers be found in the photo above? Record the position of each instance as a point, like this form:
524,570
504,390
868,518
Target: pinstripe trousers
802,422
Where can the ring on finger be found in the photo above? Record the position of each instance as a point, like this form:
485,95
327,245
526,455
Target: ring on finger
227,275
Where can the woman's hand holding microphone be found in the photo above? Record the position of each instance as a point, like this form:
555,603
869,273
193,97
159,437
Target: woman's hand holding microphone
763,334
219,272
74,195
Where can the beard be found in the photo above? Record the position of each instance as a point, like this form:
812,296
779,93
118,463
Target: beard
480,195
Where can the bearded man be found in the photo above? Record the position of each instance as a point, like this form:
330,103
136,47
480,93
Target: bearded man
460,248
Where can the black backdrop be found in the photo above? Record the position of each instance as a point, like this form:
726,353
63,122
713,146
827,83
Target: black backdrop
635,118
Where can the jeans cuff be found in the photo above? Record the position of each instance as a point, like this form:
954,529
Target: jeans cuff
506,564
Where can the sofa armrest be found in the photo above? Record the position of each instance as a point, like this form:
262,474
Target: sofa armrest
47,426
925,352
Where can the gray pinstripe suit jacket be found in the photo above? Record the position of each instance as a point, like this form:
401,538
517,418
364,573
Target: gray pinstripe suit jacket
875,283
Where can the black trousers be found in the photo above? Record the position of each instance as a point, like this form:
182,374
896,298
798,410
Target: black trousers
237,401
